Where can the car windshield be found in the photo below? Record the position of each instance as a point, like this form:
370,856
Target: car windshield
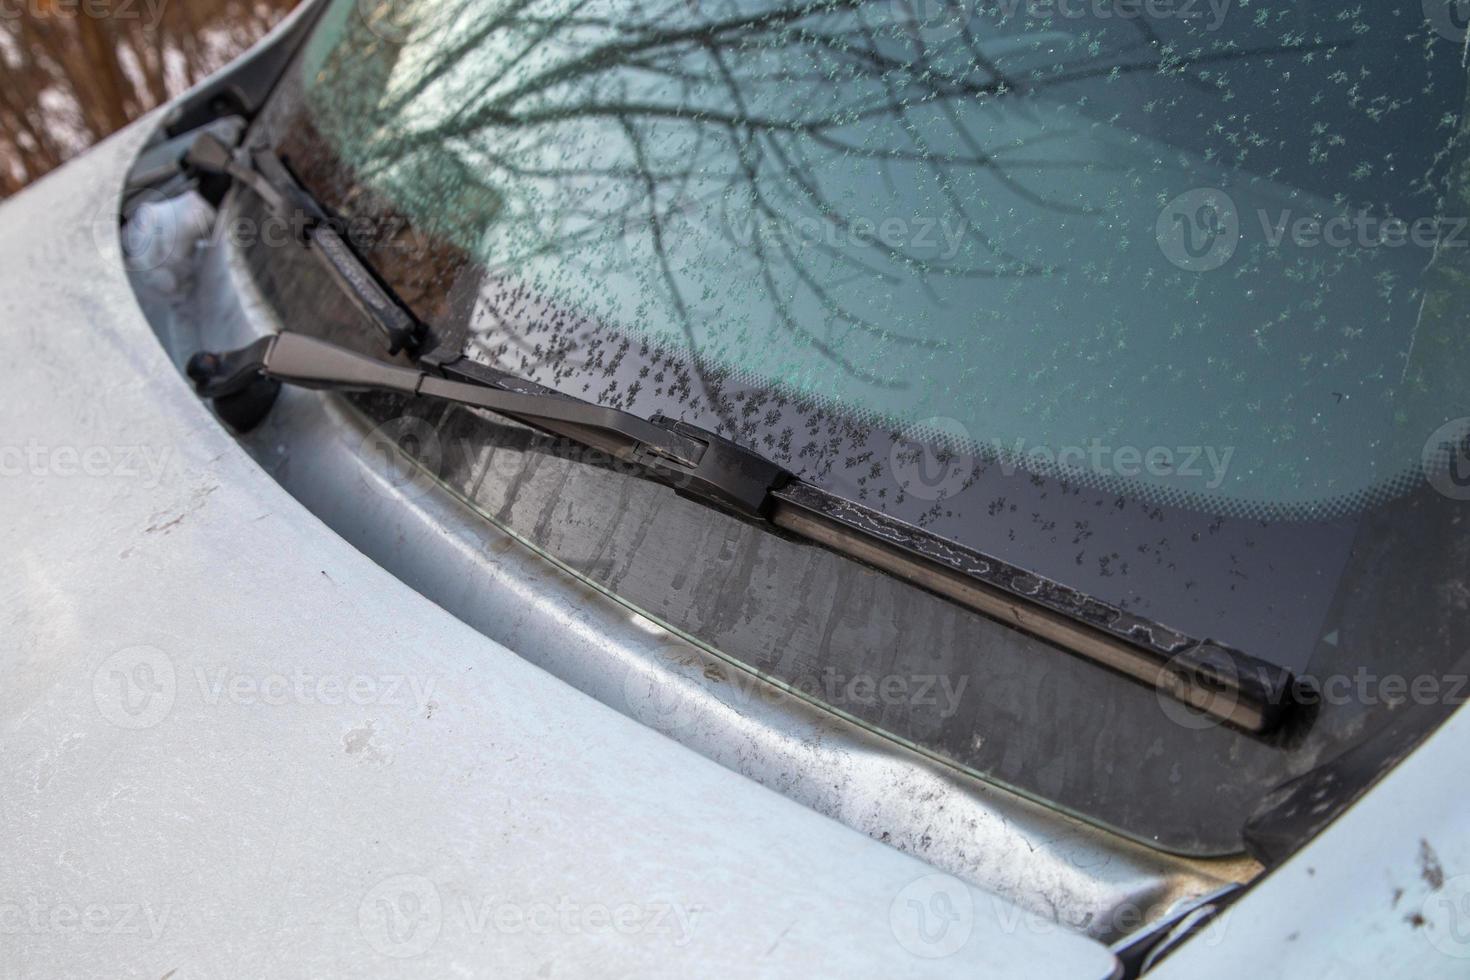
1096,287
1201,255
1158,301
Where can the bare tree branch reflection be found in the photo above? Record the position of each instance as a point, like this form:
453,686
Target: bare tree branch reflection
632,132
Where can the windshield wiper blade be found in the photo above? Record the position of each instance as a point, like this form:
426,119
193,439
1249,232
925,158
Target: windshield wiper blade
1244,691
1216,679
694,462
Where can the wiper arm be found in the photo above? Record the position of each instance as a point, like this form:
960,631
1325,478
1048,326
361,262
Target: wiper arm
696,463
243,383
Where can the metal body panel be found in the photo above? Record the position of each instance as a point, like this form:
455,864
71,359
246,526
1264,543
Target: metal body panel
178,803
1384,892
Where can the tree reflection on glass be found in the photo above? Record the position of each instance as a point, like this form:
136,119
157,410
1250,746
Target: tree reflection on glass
905,214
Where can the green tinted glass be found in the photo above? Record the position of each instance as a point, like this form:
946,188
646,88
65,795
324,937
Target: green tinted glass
1034,230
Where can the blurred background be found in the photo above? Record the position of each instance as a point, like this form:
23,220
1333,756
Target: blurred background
74,71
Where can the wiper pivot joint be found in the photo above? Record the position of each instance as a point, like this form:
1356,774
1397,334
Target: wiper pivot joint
268,177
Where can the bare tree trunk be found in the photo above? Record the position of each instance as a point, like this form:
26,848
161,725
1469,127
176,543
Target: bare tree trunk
108,86
74,60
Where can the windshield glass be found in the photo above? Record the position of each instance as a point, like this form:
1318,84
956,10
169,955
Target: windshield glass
1162,302
1201,255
